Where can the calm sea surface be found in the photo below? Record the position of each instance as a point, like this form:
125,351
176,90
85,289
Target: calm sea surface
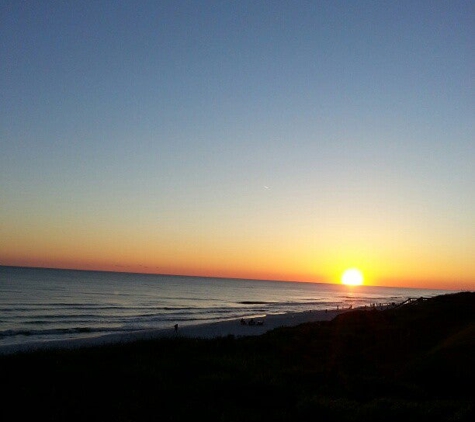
44,304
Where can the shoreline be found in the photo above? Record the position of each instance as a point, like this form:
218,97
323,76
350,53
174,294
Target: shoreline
205,331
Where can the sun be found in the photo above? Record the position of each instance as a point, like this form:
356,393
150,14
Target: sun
352,277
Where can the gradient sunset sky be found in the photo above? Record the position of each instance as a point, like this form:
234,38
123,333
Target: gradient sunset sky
280,140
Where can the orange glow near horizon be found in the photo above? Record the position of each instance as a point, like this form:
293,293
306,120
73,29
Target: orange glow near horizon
118,249
239,272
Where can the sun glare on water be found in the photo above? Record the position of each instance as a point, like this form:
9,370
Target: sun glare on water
352,277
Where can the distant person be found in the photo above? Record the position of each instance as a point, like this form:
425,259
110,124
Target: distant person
176,328
243,321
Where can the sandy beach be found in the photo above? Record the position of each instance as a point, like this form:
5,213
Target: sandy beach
270,322
206,331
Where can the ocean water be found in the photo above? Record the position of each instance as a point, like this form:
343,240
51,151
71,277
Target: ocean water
48,304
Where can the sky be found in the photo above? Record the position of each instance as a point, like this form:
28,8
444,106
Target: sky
283,140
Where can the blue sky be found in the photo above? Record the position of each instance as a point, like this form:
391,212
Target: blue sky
341,125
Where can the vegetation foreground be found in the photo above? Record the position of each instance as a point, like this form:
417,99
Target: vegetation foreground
415,362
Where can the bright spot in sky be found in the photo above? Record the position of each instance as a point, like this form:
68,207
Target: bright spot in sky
352,277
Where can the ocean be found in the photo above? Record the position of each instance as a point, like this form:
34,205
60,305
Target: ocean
39,305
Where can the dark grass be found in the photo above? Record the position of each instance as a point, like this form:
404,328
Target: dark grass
416,362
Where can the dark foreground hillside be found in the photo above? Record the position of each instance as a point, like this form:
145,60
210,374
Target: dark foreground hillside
412,363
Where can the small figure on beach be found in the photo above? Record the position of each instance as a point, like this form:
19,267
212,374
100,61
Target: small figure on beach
176,328
243,321
251,321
